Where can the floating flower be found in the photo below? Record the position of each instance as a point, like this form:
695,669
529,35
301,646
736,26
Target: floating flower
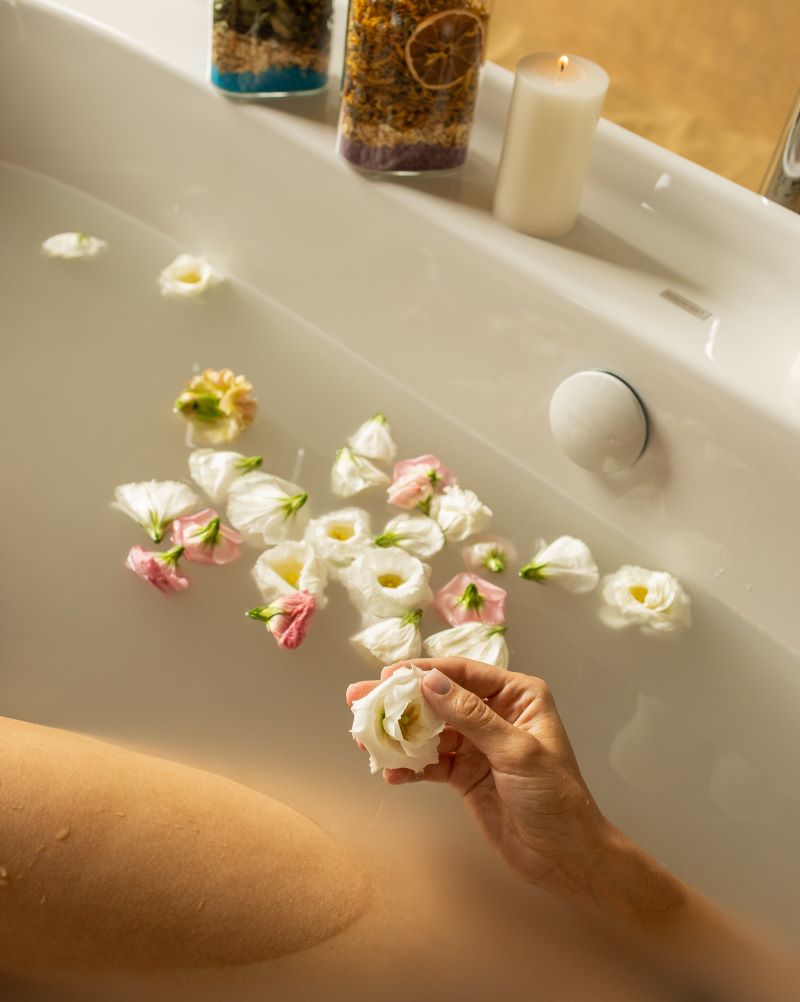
416,534
218,406
188,277
491,553
384,583
288,619
373,440
460,513
288,567
477,641
390,640
205,540
567,562
158,569
73,245
352,474
153,504
652,600
339,536
414,482
215,471
470,599
396,725
266,509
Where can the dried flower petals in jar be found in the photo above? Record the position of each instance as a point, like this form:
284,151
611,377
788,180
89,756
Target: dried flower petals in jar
270,48
411,79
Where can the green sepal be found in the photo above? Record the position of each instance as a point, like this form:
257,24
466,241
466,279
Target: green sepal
199,407
495,562
172,556
472,598
495,631
209,534
263,613
534,572
292,505
412,618
248,463
387,539
155,527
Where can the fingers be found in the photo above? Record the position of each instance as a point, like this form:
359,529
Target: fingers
505,745
358,690
439,772
484,680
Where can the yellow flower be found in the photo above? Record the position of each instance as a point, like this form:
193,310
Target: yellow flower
218,406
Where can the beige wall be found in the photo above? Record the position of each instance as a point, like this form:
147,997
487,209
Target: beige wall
713,80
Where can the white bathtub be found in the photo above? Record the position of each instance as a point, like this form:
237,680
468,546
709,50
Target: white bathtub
352,295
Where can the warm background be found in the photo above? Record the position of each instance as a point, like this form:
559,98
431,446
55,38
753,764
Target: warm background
713,80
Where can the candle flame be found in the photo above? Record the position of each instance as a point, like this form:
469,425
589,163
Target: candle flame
563,63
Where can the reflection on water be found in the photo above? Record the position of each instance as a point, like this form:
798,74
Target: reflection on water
94,358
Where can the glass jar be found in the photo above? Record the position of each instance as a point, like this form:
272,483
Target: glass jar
270,48
411,79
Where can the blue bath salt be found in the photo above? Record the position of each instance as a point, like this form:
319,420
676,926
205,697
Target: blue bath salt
277,80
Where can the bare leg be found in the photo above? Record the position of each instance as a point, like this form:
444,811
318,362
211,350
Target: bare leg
110,858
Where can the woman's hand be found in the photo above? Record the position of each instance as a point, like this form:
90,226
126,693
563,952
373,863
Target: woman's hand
506,752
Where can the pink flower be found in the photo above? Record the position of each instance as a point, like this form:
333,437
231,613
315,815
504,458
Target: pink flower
470,599
158,569
415,481
289,618
204,539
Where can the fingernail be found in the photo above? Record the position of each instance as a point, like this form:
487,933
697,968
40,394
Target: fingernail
437,682
350,689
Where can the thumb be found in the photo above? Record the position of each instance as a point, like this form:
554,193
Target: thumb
470,716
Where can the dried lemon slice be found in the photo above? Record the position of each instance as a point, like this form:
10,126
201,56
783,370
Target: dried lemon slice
444,48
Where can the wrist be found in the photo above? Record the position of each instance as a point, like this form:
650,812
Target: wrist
626,881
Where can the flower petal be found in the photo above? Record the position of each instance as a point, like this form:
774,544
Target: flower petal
73,245
373,440
470,640
396,725
188,277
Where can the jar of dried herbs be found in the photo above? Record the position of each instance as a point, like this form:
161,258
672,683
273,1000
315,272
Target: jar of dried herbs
270,48
411,79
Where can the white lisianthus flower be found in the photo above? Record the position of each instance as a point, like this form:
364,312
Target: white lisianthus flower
566,562
384,583
72,245
460,513
339,536
266,509
215,471
188,277
352,474
652,600
291,566
396,725
418,535
489,553
373,440
390,640
154,504
478,641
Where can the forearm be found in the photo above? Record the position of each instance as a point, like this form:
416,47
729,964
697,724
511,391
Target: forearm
699,945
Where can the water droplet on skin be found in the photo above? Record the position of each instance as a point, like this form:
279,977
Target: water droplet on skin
3,873
42,899
62,833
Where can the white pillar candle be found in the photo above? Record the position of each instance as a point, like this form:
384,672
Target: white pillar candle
555,105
